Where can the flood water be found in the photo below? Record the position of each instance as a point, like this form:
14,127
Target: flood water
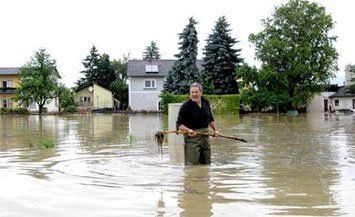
109,165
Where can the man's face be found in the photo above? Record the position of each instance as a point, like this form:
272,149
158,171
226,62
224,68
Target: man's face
195,94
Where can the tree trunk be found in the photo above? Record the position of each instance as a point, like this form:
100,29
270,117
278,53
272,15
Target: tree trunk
40,106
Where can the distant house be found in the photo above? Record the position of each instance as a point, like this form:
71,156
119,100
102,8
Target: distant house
343,100
9,81
322,102
145,83
92,97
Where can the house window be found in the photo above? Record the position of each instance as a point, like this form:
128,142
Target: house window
150,83
86,99
336,102
6,103
6,84
151,69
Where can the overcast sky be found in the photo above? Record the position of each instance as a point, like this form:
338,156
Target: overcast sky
69,28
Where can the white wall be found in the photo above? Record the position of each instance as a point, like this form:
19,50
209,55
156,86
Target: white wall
317,103
51,105
141,98
344,103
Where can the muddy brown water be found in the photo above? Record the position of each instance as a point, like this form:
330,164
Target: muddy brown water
109,165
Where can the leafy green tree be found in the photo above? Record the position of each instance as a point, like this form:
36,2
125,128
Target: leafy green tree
184,71
352,89
295,44
90,71
38,80
220,61
151,52
261,89
119,87
66,99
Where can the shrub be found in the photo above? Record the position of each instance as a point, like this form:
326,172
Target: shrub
220,104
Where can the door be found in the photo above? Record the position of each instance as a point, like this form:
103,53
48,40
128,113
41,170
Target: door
325,105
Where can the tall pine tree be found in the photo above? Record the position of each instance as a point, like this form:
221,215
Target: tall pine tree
220,61
151,52
106,73
90,72
184,71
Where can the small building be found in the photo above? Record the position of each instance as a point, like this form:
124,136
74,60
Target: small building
92,97
145,83
321,102
343,100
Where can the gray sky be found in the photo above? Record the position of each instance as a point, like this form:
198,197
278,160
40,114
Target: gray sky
69,28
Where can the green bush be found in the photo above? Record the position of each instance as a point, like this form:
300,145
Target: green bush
220,104
70,109
13,111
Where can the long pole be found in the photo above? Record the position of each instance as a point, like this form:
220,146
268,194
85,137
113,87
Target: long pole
201,134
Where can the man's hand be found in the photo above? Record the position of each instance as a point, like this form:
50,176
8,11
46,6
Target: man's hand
216,133
191,133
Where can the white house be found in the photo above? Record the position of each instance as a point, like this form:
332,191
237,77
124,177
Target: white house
145,83
322,102
343,100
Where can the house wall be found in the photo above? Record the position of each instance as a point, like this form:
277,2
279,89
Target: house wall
141,98
9,96
51,106
102,98
317,103
344,103
83,93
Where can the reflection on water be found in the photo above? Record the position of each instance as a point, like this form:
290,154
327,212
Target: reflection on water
109,165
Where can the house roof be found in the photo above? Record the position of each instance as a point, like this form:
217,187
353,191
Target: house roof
136,68
88,85
15,70
343,92
9,70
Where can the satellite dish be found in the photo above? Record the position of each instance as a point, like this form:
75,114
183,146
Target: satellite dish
90,89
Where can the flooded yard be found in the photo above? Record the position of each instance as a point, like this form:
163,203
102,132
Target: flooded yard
109,165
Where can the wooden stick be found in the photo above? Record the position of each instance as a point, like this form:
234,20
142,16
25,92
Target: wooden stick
202,134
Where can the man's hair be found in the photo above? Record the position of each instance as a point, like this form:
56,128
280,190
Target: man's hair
196,85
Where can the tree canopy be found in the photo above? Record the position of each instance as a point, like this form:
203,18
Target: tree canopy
295,44
38,80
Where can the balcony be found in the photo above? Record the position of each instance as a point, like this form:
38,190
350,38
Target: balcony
7,90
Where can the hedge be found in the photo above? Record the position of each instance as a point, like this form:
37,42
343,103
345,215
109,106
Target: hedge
220,104
13,111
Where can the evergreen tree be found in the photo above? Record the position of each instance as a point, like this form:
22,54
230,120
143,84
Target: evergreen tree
90,68
184,71
220,61
151,52
105,72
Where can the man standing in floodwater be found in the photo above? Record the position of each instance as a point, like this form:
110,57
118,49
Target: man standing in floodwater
194,117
